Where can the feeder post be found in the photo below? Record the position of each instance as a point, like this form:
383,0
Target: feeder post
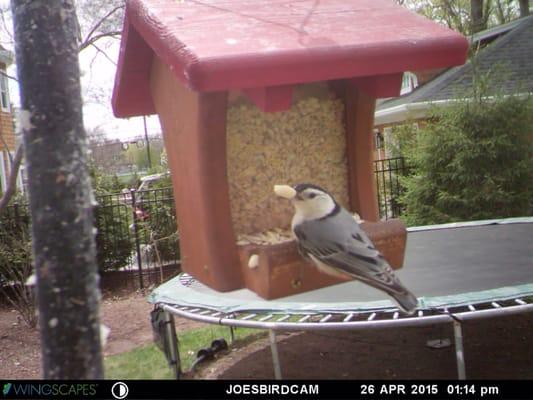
59,188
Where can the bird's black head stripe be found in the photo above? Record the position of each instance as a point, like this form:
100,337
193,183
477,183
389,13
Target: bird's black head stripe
302,186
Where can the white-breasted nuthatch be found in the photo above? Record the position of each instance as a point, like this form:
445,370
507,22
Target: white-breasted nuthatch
329,236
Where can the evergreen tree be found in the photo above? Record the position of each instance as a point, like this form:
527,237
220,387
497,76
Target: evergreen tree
472,161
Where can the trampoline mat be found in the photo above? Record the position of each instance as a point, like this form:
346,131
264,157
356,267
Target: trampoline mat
444,265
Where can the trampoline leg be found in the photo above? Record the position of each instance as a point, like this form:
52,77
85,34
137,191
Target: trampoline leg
459,350
275,355
173,344
232,334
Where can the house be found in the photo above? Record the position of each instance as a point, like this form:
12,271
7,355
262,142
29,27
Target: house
505,50
113,157
7,132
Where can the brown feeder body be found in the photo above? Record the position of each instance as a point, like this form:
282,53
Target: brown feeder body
201,78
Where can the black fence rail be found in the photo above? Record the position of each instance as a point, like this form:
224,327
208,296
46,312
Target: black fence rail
137,240
389,190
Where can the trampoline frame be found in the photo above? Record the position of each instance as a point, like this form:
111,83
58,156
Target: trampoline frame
360,319
275,321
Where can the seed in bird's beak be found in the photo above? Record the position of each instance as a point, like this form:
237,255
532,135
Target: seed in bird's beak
285,191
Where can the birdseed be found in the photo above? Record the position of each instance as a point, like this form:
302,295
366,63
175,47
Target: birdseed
304,144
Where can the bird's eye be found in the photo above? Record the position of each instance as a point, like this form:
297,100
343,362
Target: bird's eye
311,195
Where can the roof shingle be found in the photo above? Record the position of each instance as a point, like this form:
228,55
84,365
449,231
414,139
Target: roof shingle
510,56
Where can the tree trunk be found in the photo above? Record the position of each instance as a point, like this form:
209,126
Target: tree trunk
476,13
524,8
59,188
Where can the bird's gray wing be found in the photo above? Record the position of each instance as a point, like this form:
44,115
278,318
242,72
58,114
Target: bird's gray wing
346,247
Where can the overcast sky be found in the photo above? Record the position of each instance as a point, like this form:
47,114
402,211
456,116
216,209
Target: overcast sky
97,77
99,74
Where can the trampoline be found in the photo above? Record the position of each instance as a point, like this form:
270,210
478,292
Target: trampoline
459,272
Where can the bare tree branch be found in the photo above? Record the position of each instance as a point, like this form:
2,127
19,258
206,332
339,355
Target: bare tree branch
97,25
99,50
90,39
95,38
12,181
2,72
454,19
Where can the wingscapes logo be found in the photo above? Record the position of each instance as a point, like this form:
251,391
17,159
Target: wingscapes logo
49,390
6,389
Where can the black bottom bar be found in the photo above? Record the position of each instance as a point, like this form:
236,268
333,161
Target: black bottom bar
196,389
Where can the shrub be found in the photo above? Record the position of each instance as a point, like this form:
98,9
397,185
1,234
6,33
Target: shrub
159,228
471,161
112,220
113,238
16,262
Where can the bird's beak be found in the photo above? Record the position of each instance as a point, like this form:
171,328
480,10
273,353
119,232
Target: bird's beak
285,191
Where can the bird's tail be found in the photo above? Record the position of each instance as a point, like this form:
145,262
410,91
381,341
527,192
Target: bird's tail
391,285
406,300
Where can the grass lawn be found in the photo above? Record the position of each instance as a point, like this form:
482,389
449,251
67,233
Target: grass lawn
148,362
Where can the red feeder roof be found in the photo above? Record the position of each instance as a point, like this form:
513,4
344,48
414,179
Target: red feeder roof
214,45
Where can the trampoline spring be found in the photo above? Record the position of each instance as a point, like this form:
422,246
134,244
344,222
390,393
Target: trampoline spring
194,310
304,318
471,307
520,301
205,312
348,317
216,314
495,305
371,316
249,316
284,318
325,319
266,317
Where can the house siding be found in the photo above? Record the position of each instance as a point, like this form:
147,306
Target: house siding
6,126
7,132
428,74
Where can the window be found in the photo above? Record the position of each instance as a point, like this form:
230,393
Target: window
4,91
409,82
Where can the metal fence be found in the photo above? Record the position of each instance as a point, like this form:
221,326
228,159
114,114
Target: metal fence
389,190
137,240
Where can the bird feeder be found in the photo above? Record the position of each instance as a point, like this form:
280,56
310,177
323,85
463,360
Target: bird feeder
256,93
